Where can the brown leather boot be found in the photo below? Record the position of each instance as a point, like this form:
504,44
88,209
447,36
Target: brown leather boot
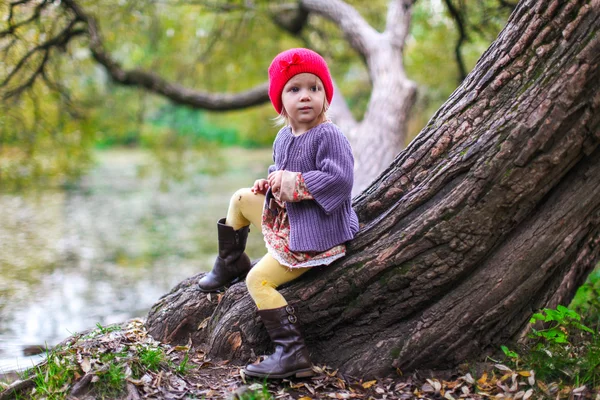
232,264
291,355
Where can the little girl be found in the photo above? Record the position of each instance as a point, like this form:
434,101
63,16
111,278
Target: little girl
303,208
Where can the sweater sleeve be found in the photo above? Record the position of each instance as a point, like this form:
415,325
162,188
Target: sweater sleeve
331,183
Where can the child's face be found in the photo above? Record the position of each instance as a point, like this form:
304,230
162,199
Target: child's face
303,99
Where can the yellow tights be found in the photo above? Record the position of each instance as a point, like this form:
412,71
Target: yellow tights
246,208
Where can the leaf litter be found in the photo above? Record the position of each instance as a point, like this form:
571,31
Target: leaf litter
184,372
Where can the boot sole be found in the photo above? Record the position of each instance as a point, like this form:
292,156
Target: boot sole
222,288
225,286
302,373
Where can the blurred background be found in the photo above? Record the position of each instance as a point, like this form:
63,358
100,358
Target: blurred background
109,194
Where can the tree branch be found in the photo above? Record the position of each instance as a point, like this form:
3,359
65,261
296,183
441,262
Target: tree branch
58,41
361,36
291,20
462,36
12,28
156,84
398,22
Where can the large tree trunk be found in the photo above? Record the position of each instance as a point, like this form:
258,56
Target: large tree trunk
492,212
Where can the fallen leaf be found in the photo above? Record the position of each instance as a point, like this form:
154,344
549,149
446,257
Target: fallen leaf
235,340
524,373
85,365
502,367
305,398
527,394
483,379
204,323
255,386
437,386
368,384
339,384
469,378
543,387
451,384
531,379
427,388
332,374
553,387
579,389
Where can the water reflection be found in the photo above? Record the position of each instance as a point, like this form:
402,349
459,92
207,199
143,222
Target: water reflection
108,249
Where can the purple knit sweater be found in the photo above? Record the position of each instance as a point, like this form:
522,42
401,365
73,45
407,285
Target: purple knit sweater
324,157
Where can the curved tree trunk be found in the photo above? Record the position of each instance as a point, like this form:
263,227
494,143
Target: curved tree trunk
492,212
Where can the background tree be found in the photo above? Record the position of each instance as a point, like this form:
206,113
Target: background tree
379,126
493,211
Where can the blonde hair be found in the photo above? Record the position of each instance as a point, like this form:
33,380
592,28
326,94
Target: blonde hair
283,118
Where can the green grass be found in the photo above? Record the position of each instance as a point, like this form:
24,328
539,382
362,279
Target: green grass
53,380
107,329
111,383
183,367
151,358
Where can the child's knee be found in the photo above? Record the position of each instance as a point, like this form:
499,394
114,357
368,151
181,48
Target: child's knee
256,280
240,195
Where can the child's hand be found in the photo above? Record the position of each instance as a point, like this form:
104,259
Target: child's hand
260,186
275,181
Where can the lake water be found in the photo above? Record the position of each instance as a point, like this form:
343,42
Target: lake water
106,250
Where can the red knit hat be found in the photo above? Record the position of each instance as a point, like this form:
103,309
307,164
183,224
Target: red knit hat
293,62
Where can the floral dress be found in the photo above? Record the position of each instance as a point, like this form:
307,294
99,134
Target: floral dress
276,231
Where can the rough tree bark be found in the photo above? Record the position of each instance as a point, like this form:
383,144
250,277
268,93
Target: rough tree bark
491,212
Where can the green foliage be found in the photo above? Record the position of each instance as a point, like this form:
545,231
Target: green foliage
193,126
587,299
151,358
509,353
562,320
563,350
